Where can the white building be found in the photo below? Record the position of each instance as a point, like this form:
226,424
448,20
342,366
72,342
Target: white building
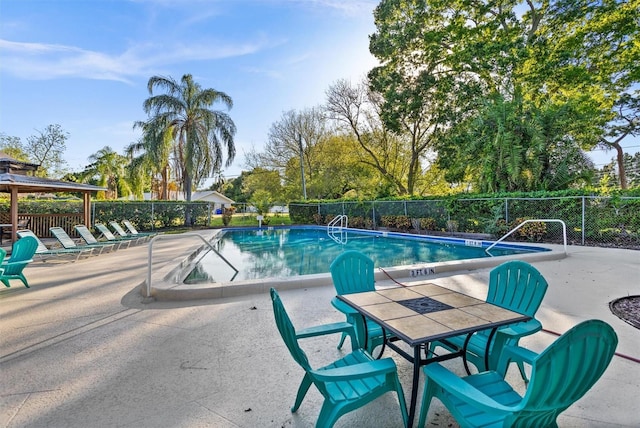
216,198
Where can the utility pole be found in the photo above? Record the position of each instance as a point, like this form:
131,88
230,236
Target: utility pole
304,185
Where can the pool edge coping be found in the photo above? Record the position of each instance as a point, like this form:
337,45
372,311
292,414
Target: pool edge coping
168,291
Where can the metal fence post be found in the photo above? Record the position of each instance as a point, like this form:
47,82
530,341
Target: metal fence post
583,219
373,214
506,210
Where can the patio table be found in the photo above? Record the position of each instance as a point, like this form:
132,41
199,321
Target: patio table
420,314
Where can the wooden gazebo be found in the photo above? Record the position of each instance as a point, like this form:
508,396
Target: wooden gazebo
17,177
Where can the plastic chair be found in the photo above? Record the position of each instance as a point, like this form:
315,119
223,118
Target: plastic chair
22,253
88,237
43,251
560,376
109,236
346,384
514,285
121,233
67,242
353,272
133,231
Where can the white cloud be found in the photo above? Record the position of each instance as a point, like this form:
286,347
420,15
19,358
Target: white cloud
41,61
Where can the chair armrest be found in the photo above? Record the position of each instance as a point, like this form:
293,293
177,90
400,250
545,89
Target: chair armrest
461,389
320,330
518,354
357,371
521,329
343,307
514,354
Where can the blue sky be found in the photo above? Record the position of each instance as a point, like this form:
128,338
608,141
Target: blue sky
84,64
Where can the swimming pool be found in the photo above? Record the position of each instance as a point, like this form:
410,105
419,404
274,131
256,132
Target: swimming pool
278,252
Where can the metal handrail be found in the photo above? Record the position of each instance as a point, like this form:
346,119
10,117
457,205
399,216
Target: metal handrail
342,219
176,236
332,227
544,220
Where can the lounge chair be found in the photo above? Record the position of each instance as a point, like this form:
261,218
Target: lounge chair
22,253
513,285
353,272
132,230
560,375
346,384
43,252
90,239
121,233
67,242
109,236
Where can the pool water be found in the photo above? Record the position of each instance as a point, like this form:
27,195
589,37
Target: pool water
291,251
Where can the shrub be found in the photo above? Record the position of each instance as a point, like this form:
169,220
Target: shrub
227,214
533,231
428,223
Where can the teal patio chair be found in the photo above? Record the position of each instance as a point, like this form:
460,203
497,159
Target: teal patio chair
43,252
121,233
560,375
109,236
346,384
67,242
22,253
133,231
513,285
88,237
353,272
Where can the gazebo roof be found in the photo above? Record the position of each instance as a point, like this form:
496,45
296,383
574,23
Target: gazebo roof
30,184
13,174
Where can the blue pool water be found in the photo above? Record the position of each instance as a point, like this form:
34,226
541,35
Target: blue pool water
290,251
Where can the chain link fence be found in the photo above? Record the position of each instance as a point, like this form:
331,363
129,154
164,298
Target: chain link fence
590,220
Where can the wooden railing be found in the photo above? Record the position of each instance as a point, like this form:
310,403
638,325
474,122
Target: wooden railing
40,223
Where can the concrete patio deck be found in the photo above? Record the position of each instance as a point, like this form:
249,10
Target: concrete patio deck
83,348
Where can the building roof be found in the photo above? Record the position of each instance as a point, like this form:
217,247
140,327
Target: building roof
211,195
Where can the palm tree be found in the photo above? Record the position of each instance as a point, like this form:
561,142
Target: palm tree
108,167
197,132
155,147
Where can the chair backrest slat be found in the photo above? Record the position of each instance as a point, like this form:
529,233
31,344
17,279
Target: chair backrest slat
105,232
86,234
41,248
119,230
352,272
65,240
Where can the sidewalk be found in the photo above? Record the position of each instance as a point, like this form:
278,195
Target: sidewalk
83,348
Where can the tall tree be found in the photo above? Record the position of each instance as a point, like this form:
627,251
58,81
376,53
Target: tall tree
357,110
13,147
46,149
293,139
422,79
562,56
153,152
199,133
108,168
625,123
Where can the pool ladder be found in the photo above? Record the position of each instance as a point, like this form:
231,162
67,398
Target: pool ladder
335,229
